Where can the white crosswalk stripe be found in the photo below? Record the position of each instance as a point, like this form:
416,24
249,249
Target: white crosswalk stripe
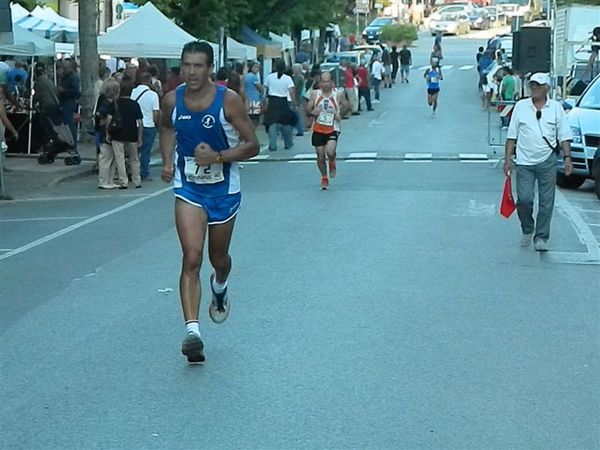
466,67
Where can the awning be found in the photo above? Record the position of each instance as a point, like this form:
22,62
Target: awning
264,46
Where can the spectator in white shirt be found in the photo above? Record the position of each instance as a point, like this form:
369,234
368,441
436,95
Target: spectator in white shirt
148,100
377,71
279,116
539,128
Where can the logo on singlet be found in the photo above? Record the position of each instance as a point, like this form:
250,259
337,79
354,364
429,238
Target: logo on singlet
184,117
208,121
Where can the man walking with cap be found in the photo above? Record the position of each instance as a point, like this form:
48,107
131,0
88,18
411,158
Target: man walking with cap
540,129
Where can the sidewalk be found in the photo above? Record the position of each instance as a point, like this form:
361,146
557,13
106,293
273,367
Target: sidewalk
23,175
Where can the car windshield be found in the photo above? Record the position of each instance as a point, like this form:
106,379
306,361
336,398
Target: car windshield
591,98
449,17
382,21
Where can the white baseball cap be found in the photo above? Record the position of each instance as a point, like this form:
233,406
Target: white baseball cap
540,78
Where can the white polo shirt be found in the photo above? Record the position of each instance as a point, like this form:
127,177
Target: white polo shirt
279,87
529,132
148,104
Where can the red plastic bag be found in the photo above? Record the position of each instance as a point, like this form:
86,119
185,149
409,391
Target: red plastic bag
507,205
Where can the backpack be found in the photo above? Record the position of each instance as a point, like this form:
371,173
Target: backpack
115,126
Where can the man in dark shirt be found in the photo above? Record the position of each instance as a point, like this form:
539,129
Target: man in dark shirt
69,92
394,55
405,63
45,95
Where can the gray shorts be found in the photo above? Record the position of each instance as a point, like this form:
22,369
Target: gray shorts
405,68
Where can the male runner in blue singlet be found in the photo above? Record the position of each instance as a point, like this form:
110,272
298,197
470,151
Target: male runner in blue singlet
204,132
433,75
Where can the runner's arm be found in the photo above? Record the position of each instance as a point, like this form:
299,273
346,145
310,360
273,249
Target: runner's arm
167,133
311,103
237,115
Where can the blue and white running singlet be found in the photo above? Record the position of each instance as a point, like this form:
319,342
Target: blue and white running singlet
191,182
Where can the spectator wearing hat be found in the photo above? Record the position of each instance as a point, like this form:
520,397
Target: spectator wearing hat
539,128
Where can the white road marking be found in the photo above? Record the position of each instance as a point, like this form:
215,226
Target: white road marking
473,156
77,197
588,210
258,158
363,155
5,249
466,67
83,223
581,227
248,162
42,219
447,67
305,156
424,68
413,156
359,160
412,161
300,161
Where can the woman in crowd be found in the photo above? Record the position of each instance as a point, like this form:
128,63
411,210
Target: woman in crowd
254,91
124,132
279,116
109,92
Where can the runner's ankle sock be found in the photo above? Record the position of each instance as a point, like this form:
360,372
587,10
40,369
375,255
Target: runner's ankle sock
192,326
218,287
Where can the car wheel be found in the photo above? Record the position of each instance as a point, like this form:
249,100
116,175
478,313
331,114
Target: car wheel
569,182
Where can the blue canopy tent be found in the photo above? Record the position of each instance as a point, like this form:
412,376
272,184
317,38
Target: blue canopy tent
265,47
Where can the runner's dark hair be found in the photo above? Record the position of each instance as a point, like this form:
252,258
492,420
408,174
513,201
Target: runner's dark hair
200,47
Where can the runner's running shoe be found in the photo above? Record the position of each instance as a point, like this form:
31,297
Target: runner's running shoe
324,183
332,169
219,306
193,348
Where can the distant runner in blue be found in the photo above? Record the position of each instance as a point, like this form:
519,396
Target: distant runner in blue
433,76
205,131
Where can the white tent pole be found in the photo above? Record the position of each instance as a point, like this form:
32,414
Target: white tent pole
30,105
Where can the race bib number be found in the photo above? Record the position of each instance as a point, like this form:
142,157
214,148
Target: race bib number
434,79
325,118
202,174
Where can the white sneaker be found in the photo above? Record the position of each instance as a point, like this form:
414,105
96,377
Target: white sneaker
526,239
540,245
375,101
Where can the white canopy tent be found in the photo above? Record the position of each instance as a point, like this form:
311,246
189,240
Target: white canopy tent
147,34
27,44
237,50
17,12
286,41
47,13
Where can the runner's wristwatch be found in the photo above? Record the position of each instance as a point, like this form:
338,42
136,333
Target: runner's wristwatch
219,158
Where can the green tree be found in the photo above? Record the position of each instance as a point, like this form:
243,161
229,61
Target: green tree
399,33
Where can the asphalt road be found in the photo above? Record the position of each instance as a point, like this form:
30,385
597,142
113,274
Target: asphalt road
395,310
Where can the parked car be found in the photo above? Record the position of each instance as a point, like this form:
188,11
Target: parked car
498,17
352,56
450,23
466,9
506,42
480,20
584,120
372,32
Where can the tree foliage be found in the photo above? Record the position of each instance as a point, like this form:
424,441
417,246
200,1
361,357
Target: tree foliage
204,18
399,33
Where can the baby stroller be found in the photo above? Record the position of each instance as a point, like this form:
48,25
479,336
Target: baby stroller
56,138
